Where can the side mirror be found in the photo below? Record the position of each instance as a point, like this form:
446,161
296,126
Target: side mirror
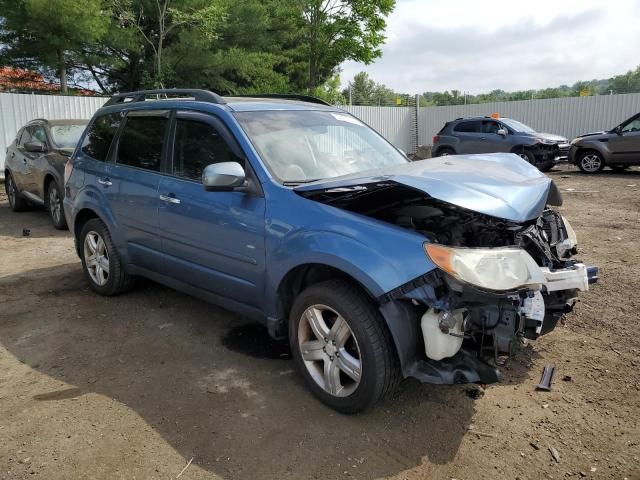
502,132
223,177
35,146
618,130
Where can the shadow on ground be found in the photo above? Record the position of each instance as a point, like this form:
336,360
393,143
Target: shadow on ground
217,388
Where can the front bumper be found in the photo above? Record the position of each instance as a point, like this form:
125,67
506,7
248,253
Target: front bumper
503,317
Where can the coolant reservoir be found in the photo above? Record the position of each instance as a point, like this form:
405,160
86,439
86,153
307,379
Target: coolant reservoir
439,345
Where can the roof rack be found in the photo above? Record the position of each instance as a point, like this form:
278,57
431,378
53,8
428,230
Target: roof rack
287,96
141,95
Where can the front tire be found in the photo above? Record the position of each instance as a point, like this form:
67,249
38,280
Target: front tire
54,206
445,152
341,346
101,263
16,202
590,161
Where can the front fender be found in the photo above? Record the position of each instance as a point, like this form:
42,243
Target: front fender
378,266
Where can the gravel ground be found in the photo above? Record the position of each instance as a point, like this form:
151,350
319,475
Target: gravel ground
138,386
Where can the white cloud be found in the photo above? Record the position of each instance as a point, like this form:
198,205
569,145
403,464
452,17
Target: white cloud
478,46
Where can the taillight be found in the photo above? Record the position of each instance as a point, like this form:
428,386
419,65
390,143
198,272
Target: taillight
68,168
436,138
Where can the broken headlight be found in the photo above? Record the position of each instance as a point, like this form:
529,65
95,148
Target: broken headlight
567,247
490,268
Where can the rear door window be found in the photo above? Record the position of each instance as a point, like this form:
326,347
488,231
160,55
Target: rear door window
467,127
99,136
142,140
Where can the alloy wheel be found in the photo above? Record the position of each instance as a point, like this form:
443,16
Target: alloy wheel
55,204
96,258
11,191
330,350
591,162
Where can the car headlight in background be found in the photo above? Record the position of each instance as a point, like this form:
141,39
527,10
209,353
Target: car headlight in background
490,268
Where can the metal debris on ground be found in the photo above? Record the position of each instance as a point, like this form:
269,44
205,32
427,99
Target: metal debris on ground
555,454
547,378
26,232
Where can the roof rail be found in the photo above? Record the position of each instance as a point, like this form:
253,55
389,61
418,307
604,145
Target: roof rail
287,96
140,96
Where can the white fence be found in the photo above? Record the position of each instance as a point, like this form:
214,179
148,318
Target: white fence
17,109
565,116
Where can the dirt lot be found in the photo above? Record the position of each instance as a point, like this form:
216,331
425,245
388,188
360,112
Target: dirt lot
137,386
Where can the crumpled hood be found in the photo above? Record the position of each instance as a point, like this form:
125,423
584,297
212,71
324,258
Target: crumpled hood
592,134
552,137
499,184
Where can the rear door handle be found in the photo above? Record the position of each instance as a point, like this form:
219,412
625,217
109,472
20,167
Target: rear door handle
170,199
105,182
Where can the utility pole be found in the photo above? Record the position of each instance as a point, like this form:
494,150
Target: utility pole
350,97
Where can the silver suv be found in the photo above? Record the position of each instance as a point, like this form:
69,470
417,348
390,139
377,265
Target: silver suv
491,135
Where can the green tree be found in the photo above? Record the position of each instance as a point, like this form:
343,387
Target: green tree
330,91
41,33
337,30
156,21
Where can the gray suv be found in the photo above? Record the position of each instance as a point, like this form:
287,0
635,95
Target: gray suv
490,135
618,148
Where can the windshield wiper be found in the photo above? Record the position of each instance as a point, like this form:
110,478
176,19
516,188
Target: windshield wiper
293,183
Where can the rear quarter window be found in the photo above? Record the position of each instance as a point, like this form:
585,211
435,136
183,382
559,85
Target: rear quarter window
100,134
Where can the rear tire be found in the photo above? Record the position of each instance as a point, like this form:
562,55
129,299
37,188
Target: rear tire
54,206
590,161
101,263
349,363
16,202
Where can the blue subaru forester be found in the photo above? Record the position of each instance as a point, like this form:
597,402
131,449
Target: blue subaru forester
295,213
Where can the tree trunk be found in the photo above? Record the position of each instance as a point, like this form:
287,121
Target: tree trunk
62,66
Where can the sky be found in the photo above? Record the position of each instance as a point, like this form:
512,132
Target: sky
478,46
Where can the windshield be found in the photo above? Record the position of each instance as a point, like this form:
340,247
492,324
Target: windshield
302,146
517,126
66,136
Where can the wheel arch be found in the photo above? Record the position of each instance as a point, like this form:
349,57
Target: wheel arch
303,276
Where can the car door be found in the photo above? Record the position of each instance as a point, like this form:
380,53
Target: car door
212,240
132,182
625,146
16,160
36,162
490,141
467,133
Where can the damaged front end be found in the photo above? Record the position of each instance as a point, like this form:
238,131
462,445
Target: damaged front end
497,281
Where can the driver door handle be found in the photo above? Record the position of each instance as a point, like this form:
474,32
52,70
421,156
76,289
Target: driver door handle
170,199
105,182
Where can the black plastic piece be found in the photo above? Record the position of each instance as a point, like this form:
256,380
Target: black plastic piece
592,274
547,378
141,95
463,367
287,96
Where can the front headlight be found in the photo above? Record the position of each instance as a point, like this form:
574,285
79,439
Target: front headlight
491,268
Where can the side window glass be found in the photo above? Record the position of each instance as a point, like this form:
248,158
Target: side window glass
198,144
99,136
25,137
140,144
467,127
632,126
38,134
490,127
